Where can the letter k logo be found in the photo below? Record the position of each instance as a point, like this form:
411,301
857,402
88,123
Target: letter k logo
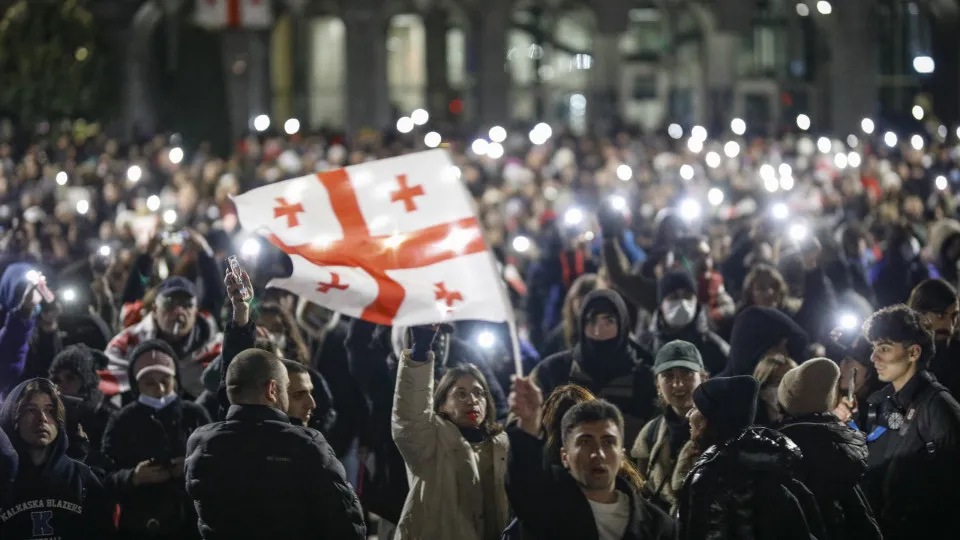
42,525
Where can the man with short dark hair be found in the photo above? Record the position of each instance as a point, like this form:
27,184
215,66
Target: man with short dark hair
53,496
936,301
256,475
301,403
549,503
912,433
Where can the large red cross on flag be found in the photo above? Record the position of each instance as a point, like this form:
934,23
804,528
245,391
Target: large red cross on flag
394,241
216,14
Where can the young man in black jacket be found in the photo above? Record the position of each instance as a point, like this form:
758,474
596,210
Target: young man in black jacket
144,448
256,475
587,499
913,429
53,496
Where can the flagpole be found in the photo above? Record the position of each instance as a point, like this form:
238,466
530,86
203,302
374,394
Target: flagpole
504,295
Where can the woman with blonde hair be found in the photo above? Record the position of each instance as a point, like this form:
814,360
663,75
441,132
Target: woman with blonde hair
453,448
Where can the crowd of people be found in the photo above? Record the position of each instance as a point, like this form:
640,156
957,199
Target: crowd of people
726,337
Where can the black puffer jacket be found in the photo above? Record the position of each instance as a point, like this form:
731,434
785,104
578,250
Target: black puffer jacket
746,489
834,461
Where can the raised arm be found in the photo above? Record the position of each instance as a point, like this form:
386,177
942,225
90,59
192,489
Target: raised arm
239,334
414,425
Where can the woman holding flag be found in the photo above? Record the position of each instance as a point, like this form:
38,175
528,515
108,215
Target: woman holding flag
455,452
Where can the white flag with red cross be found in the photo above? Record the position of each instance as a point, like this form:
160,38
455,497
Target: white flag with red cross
393,242
217,14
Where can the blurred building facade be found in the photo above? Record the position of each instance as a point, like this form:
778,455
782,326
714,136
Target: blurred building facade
357,64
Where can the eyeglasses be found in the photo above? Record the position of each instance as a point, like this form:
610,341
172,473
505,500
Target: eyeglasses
461,394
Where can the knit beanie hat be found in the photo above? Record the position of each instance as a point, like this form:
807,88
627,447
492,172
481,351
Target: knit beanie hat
728,403
152,363
809,388
676,280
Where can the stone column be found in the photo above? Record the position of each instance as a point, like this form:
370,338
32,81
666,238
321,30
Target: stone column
139,108
721,52
438,87
301,63
246,56
854,92
368,97
492,80
945,79
720,72
604,109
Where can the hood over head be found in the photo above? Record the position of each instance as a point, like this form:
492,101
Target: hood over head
9,462
758,329
8,423
12,284
605,359
605,301
84,361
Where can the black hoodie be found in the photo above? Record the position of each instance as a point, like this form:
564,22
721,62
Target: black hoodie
140,433
834,462
61,498
617,370
755,331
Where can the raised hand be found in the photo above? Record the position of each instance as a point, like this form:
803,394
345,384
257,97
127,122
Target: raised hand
526,403
240,302
423,337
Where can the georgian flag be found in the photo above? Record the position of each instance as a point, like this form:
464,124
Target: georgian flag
394,242
217,14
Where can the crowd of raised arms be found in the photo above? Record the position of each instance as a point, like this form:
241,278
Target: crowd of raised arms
721,338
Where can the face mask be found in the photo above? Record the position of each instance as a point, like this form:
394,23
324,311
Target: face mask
679,313
157,403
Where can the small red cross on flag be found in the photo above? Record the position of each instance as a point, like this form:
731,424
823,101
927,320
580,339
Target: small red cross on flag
394,241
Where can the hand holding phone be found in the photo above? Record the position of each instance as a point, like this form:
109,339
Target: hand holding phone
238,275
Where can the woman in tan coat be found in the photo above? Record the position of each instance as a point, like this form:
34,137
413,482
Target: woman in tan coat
663,451
455,452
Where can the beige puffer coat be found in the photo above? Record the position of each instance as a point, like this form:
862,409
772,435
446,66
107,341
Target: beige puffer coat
445,501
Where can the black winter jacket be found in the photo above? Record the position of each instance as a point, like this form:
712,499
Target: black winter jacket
621,375
712,347
550,505
258,476
61,498
139,433
746,489
834,461
911,481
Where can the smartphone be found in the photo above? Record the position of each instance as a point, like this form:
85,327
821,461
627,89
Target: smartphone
38,279
173,238
238,274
